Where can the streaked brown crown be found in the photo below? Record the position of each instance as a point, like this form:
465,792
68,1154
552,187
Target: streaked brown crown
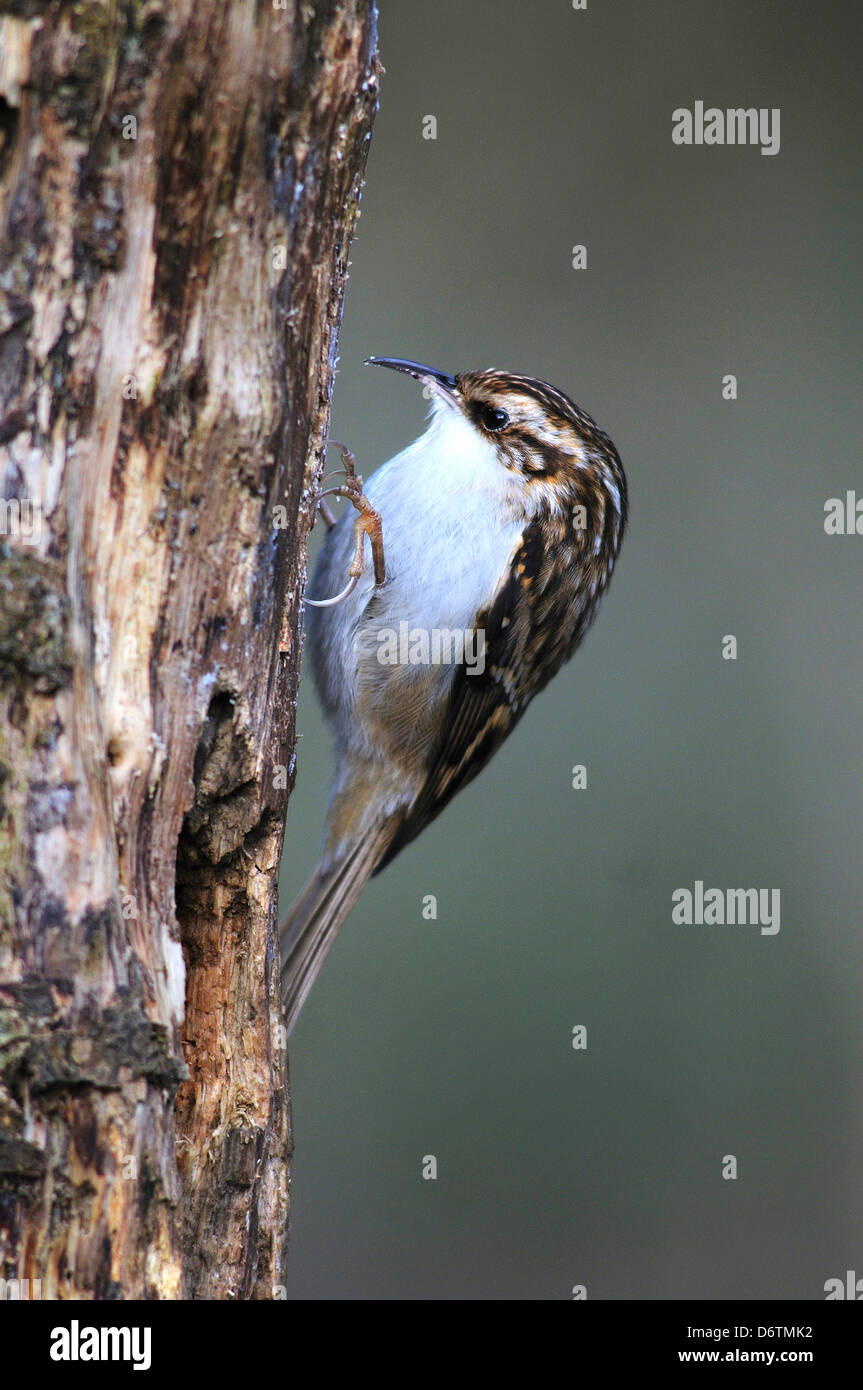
540,431
545,426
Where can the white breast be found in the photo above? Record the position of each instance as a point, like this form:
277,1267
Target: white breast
452,519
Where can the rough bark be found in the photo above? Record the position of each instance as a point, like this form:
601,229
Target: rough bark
179,183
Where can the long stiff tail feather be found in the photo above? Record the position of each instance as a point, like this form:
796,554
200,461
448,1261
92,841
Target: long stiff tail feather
311,927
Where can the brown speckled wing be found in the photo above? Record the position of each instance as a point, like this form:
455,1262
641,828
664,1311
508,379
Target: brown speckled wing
528,634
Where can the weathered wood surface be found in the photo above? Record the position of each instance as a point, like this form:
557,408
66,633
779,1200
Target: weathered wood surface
178,187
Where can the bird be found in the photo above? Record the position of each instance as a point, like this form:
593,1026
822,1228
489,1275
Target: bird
498,527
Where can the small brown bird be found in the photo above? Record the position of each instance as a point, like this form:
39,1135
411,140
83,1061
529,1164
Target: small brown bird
501,525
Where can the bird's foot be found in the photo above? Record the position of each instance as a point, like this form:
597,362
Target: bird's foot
368,523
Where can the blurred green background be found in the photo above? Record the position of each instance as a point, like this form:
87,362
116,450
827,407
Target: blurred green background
453,1037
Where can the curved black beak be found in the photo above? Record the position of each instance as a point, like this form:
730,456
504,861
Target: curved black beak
428,375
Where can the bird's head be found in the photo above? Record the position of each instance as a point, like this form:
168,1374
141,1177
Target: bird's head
556,450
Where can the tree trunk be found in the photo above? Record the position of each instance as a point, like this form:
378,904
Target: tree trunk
179,182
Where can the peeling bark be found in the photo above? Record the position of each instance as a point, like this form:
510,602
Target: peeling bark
178,187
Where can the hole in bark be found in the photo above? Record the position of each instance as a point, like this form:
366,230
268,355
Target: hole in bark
219,712
8,129
227,794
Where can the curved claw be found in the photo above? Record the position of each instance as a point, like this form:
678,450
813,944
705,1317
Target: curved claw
339,598
368,523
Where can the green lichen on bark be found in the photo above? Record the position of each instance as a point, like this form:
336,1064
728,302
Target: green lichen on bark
34,618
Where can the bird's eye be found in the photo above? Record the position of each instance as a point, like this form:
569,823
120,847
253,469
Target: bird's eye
492,418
